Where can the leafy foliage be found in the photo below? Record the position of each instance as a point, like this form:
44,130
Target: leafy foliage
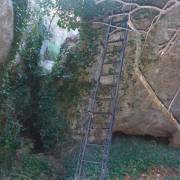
52,125
74,13
9,125
37,111
72,64
133,156
23,92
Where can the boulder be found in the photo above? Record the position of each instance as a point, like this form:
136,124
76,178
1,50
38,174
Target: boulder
137,113
6,28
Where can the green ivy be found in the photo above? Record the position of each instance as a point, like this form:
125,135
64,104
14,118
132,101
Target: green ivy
131,156
73,13
32,167
37,109
9,125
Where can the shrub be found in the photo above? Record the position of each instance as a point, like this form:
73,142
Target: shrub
130,155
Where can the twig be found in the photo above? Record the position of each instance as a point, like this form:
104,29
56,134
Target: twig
154,22
54,15
174,98
162,11
150,90
170,44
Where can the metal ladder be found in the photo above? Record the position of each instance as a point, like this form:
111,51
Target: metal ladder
100,116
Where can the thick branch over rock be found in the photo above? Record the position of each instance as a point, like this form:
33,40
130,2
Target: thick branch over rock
171,4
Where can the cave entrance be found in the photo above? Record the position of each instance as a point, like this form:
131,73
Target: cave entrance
118,135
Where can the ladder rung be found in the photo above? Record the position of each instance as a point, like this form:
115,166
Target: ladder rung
105,99
93,144
102,128
101,112
112,62
93,162
112,52
109,85
106,124
109,74
115,41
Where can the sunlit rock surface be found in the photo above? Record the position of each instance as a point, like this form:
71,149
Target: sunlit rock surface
137,114
6,28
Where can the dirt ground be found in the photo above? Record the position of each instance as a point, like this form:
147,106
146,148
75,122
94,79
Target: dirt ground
160,173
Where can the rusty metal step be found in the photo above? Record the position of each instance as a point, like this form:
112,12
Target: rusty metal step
105,99
109,74
115,41
94,144
101,112
109,85
113,62
116,51
93,162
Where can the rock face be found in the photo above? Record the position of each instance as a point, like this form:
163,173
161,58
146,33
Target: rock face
6,28
138,113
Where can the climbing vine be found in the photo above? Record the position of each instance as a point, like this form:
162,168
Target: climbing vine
73,70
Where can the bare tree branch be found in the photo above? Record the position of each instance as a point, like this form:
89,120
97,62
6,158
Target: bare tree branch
153,23
54,15
170,44
171,4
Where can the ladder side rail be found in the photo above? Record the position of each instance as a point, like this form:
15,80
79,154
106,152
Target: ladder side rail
84,130
81,144
107,149
102,62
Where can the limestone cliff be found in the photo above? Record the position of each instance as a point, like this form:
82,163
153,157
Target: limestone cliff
6,28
